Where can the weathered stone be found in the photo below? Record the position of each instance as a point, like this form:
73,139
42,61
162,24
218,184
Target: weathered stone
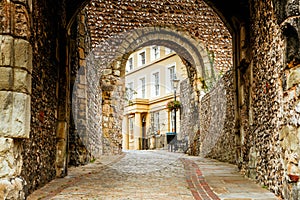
60,157
23,54
293,78
6,78
15,114
82,63
6,104
107,72
12,189
293,142
298,133
82,79
5,15
117,73
297,108
9,166
62,130
81,53
267,53
285,132
21,21
6,145
22,81
81,93
6,50
20,116
217,121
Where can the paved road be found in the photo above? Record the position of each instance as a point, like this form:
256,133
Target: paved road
152,175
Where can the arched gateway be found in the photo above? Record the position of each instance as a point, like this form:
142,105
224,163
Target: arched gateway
41,51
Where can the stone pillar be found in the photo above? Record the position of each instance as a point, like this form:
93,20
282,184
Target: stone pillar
63,110
137,131
126,133
15,91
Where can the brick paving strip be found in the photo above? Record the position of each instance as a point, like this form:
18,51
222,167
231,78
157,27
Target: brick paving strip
196,181
61,185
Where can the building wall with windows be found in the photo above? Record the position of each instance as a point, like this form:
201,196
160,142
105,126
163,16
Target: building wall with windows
149,87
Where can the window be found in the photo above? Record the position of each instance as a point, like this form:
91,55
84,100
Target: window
156,83
155,52
156,121
129,90
142,58
168,50
130,64
143,89
172,76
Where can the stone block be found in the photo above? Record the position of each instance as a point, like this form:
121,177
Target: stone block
82,79
82,63
61,149
81,53
107,72
21,116
6,144
14,115
22,81
117,72
293,142
23,54
6,50
21,21
7,167
297,108
285,131
6,104
6,78
12,188
5,16
81,93
61,130
293,78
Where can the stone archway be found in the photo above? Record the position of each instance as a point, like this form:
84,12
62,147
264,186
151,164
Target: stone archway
185,46
111,43
112,70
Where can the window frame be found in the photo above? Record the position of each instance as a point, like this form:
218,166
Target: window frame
156,81
141,61
155,52
143,87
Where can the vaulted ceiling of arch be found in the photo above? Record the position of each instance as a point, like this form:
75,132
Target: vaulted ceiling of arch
109,20
229,9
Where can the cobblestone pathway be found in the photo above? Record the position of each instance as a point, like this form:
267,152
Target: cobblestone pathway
147,175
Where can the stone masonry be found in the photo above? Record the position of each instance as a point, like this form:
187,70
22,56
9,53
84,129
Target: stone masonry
217,122
15,94
85,135
267,87
36,80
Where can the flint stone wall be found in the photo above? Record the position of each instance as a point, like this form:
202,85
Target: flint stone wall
86,130
217,121
189,118
269,97
39,150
